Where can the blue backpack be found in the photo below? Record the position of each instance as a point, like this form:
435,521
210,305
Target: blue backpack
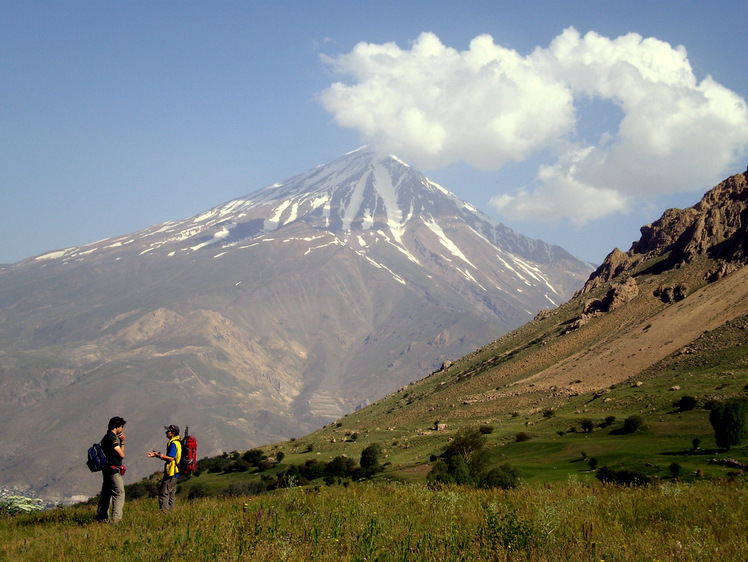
96,458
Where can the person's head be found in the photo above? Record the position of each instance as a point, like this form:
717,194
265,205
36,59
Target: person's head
115,422
173,429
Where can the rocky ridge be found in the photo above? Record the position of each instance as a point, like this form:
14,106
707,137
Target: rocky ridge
715,228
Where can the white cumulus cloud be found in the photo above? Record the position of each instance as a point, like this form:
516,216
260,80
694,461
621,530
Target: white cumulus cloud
489,105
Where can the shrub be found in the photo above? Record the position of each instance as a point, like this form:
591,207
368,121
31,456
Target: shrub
312,469
522,436
15,505
609,420
143,489
624,476
548,413
587,425
280,456
685,403
486,429
237,466
695,443
711,403
592,463
198,491
675,469
340,466
632,423
504,477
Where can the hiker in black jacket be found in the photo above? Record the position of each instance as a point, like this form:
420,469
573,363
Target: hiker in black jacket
113,487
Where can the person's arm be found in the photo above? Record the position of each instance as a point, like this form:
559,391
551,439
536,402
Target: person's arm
120,449
172,451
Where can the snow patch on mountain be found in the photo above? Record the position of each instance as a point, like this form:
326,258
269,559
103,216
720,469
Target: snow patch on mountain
446,242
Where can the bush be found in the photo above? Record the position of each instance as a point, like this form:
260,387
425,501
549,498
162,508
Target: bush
592,463
15,505
143,489
685,403
504,477
340,466
522,436
486,429
198,491
609,420
587,425
623,477
548,413
632,423
675,469
313,469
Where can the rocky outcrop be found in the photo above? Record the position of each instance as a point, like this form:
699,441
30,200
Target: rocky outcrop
715,227
618,295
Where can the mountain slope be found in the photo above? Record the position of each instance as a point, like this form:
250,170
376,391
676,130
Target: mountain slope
652,324
260,319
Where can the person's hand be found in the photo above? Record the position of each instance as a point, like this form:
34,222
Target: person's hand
121,438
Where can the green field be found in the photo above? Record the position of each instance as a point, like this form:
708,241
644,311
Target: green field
378,521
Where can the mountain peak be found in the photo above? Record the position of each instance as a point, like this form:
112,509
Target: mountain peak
282,310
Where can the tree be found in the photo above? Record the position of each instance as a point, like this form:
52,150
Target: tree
587,425
370,456
728,422
468,442
254,457
463,460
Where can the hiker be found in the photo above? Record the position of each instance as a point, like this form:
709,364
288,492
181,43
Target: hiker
113,486
168,489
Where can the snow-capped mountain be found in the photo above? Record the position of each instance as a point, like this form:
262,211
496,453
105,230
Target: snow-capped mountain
260,319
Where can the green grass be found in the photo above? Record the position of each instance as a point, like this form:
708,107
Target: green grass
378,521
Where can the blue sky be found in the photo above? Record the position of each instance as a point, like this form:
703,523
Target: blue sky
574,122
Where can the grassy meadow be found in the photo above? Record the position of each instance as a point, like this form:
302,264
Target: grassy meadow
394,521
